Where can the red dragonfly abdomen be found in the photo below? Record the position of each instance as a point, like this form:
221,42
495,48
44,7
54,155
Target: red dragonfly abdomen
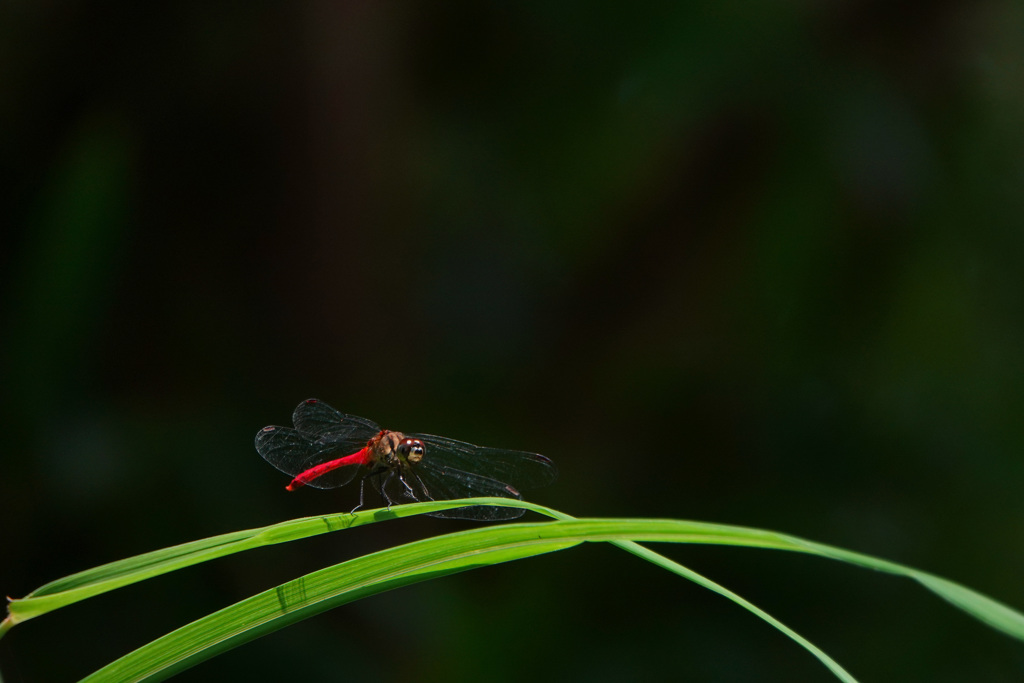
360,457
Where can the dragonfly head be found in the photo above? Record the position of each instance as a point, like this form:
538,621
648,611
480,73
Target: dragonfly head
411,449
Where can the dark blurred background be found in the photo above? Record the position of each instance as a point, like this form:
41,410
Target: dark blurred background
755,263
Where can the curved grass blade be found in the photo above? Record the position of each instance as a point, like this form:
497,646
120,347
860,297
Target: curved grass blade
108,577
662,561
619,532
124,572
322,590
392,568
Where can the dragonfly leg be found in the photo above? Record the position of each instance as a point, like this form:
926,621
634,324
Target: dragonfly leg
409,493
383,486
423,487
362,487
362,484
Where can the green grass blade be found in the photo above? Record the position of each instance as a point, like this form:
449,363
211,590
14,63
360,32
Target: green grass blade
323,590
113,575
455,552
107,577
672,566
987,610
365,576
124,572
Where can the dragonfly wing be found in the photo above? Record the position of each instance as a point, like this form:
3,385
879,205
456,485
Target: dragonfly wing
521,469
432,481
321,421
294,452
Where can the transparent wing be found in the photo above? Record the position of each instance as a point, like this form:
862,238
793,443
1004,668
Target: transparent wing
294,452
521,469
456,469
320,421
431,481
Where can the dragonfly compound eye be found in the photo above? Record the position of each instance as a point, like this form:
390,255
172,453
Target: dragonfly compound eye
412,449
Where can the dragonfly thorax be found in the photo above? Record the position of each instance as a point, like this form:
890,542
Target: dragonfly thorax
395,449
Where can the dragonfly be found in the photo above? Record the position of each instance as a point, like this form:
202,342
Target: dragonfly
327,449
